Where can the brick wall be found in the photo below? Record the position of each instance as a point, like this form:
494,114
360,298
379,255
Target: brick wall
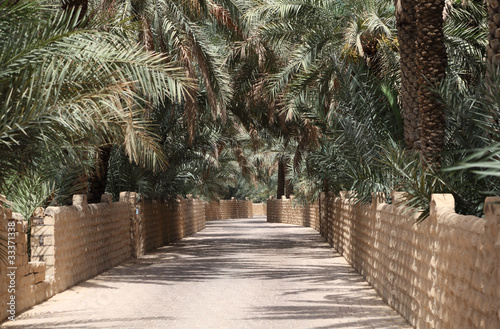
259,209
3,267
290,212
5,215
164,222
74,243
29,285
228,209
88,239
442,273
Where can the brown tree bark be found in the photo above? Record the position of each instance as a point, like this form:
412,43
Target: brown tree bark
407,26
493,56
281,178
145,35
493,48
288,183
285,186
431,61
99,176
288,188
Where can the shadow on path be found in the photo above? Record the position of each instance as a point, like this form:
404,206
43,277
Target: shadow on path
234,274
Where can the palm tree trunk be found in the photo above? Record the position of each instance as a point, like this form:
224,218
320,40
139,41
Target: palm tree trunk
431,61
74,5
99,176
281,178
406,25
97,180
288,185
145,35
493,47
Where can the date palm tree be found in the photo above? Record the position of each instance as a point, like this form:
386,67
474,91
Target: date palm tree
66,90
431,60
423,41
494,36
178,31
309,35
406,25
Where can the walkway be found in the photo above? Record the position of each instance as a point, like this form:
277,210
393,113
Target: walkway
234,274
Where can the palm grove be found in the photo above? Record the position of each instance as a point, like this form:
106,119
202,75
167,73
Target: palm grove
249,98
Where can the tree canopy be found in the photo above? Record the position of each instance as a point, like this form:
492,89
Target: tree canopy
249,99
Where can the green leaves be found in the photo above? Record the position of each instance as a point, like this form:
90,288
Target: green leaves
362,149
466,37
485,162
28,192
479,110
61,84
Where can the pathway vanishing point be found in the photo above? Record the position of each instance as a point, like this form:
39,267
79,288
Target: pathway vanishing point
234,274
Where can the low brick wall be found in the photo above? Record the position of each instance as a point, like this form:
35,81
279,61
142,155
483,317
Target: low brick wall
86,239
164,222
27,285
259,209
442,273
288,211
4,281
74,243
228,209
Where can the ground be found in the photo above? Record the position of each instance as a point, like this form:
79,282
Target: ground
244,273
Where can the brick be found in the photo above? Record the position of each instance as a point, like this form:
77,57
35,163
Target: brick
20,226
39,277
37,267
21,238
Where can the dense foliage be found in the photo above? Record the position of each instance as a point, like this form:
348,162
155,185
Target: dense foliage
234,98
342,75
